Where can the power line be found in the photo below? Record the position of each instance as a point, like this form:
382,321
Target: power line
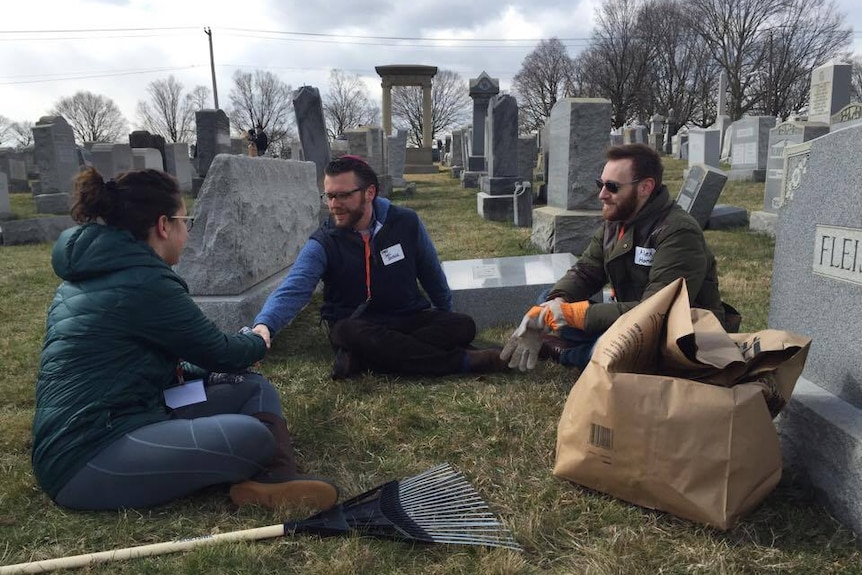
87,76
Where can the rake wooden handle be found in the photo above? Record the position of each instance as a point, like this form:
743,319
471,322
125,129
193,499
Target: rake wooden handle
142,551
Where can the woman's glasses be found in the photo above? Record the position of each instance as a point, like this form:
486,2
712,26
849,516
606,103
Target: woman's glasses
190,221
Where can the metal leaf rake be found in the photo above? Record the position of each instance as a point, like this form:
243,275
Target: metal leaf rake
437,506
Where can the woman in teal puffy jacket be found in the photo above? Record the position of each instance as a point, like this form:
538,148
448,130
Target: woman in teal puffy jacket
121,330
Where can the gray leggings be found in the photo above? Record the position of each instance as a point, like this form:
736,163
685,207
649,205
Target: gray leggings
201,445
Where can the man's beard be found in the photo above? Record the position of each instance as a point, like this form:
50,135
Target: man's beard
622,210
353,216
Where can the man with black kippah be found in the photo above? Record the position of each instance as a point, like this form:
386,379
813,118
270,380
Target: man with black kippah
372,257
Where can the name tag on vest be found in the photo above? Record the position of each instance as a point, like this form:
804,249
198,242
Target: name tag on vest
392,254
644,256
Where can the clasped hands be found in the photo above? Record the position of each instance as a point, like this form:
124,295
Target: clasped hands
522,349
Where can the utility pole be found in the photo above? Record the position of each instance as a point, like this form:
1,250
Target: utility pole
208,31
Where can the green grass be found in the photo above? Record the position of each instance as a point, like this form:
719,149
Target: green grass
498,429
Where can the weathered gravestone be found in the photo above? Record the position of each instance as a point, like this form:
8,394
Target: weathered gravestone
147,159
700,191
178,165
5,204
829,92
502,150
457,158
33,230
144,139
781,136
13,165
111,160
849,115
704,147
252,217
396,155
56,156
502,156
311,126
817,292
496,291
213,138
578,137
750,148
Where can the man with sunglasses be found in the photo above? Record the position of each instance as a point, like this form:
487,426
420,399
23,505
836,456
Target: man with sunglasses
646,242
372,256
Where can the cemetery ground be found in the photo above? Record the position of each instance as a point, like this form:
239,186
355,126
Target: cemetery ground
499,430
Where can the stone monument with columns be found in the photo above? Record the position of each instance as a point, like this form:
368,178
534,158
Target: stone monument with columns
482,89
418,160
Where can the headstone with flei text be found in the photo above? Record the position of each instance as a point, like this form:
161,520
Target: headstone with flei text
817,292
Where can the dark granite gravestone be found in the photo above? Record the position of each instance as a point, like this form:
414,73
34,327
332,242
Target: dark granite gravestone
700,191
311,126
213,138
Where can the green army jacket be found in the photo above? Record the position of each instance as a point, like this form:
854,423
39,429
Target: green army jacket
661,244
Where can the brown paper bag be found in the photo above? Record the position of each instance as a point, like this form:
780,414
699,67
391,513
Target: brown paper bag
638,426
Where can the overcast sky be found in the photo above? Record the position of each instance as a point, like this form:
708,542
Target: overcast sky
49,49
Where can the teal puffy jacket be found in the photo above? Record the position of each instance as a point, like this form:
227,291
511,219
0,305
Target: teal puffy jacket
116,330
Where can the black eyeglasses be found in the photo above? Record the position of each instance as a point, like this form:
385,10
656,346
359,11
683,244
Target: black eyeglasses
340,196
190,221
613,187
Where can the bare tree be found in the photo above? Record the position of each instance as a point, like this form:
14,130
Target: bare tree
21,133
93,117
546,75
450,104
169,113
262,99
347,104
199,98
616,64
681,72
5,129
856,78
806,34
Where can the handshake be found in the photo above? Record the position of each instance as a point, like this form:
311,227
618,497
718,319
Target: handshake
522,349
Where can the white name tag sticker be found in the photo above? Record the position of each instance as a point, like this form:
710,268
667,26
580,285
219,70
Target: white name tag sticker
186,394
392,254
644,256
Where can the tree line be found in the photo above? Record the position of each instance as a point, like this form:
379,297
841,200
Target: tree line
257,98
657,56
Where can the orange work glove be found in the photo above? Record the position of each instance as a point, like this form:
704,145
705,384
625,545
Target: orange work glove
557,313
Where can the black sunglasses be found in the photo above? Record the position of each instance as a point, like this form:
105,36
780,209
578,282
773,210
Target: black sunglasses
612,187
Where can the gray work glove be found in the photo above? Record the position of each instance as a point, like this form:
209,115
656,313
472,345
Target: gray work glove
522,349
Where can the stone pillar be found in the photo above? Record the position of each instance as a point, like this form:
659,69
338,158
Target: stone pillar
426,115
418,160
386,105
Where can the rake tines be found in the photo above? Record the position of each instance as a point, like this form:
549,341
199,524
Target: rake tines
437,506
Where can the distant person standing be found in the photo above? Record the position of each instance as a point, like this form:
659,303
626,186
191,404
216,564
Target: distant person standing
261,141
251,137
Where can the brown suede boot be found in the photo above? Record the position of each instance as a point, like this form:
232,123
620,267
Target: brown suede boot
485,361
280,485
